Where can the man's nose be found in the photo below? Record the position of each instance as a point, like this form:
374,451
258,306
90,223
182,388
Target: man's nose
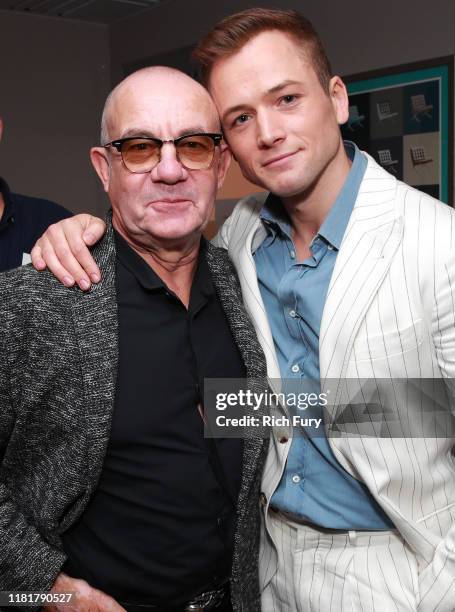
169,169
269,129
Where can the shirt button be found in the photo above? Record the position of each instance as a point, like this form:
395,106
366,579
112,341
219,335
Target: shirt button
330,247
293,313
296,478
292,254
295,368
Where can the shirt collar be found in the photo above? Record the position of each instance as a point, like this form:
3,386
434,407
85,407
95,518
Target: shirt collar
8,213
336,222
148,278
275,217
332,230
140,269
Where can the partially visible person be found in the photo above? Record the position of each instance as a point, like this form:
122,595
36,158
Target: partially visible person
22,221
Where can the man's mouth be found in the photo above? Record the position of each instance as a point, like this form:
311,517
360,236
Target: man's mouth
170,200
278,159
170,204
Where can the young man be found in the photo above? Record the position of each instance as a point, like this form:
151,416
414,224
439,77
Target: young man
347,274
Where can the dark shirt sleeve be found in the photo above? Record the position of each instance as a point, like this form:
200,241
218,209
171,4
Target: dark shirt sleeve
24,221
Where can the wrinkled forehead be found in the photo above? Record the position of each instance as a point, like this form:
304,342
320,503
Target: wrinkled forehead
164,113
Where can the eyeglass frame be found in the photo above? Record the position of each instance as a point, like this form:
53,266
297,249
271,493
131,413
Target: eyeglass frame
117,144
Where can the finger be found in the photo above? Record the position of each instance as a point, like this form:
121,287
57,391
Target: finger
60,260
57,254
94,230
106,603
83,257
68,243
37,261
55,267
82,599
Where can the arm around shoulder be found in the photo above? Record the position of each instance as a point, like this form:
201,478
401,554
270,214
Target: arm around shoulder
64,249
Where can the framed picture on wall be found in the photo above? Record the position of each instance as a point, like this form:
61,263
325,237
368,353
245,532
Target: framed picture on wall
403,117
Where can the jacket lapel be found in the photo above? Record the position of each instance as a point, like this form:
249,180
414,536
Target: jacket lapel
229,293
372,237
240,251
95,322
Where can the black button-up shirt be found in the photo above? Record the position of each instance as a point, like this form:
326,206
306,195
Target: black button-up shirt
23,221
159,527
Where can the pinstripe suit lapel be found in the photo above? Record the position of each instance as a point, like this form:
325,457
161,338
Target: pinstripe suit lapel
371,239
240,252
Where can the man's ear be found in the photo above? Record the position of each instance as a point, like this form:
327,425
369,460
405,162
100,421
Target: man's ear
340,100
224,163
98,156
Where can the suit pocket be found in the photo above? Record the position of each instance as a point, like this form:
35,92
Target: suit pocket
384,576
388,344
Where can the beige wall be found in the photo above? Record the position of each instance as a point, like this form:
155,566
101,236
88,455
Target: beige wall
235,185
54,78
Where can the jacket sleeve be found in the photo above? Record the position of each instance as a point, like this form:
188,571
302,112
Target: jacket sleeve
27,561
437,580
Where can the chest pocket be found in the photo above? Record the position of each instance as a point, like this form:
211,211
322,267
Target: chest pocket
382,346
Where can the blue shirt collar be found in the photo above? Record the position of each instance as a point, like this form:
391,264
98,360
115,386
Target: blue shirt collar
334,225
275,216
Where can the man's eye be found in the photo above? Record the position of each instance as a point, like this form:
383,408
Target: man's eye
241,119
288,98
140,146
191,144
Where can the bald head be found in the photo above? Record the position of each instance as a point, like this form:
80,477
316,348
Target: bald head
169,202
156,85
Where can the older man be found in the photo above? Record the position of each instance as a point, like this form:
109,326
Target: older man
108,488
348,274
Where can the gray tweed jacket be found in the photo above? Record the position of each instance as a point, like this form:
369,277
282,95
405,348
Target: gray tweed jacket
59,352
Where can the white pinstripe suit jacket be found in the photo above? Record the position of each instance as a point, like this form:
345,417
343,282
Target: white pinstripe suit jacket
389,313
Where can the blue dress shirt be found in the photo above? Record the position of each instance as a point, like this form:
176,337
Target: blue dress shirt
314,486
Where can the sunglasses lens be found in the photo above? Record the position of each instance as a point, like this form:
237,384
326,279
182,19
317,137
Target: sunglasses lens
196,152
140,155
